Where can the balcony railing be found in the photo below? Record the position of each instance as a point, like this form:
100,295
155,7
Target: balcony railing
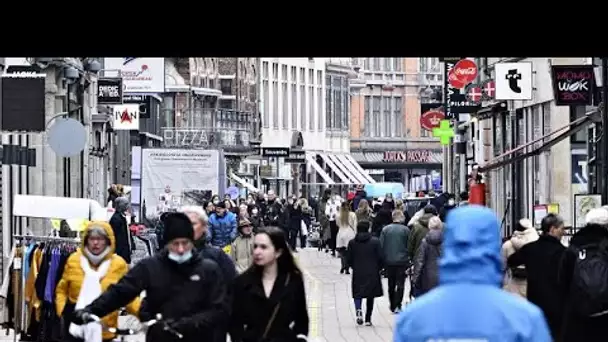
212,128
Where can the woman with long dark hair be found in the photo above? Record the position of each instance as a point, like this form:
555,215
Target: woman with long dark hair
269,298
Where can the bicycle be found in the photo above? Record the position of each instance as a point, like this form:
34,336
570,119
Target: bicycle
144,326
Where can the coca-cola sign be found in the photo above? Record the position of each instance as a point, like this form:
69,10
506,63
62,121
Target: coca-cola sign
456,99
412,156
573,85
463,73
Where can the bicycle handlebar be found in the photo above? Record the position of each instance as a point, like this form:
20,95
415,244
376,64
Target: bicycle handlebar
144,325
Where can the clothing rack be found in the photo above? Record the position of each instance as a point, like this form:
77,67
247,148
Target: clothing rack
46,238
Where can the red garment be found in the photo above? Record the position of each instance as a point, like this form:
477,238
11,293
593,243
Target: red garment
350,196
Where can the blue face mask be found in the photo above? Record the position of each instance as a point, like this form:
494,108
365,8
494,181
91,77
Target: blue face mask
180,259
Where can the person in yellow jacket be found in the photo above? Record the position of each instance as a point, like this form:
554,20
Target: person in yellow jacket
88,273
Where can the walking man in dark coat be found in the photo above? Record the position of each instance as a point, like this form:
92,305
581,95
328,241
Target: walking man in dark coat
366,260
120,226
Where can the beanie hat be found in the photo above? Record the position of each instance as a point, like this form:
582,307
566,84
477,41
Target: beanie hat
176,226
430,209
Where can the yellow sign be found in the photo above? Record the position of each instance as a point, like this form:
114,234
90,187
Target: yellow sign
76,225
553,208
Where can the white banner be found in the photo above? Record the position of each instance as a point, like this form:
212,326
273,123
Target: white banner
139,74
126,117
175,177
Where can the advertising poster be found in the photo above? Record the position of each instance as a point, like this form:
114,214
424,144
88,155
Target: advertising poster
171,178
573,85
139,74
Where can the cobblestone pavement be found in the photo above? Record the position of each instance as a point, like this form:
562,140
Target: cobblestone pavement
330,305
331,309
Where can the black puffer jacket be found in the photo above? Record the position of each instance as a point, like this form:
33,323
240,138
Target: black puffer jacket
192,294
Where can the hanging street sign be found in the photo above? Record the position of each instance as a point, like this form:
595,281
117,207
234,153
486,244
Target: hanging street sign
513,81
444,132
478,93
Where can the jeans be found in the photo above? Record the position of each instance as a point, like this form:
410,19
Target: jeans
369,307
343,258
396,284
293,238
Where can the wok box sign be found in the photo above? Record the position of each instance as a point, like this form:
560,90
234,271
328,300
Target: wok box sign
573,85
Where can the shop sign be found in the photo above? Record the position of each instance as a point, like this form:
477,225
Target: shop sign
413,156
573,85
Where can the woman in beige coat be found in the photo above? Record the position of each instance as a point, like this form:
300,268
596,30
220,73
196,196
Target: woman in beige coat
515,279
241,251
347,223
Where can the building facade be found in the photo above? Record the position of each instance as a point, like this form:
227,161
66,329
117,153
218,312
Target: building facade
386,136
556,171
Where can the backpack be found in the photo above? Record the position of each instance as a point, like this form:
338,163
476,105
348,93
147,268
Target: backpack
589,287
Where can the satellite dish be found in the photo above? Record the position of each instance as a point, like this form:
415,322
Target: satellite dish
67,137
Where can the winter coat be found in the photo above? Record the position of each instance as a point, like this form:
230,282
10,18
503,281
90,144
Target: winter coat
222,229
365,258
324,220
252,310
426,264
421,228
242,252
512,283
217,255
273,215
542,259
122,235
383,218
193,294
307,214
68,287
469,303
346,232
359,195
364,215
393,240
256,222
575,327
295,218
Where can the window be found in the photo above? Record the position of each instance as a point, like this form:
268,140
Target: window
275,104
578,112
376,65
311,76
311,106
285,107
422,64
168,111
320,109
398,116
275,71
387,64
226,104
376,116
366,116
283,72
397,63
328,101
386,127
302,76
302,104
337,102
266,104
345,105
294,106
265,70
319,78
293,74
366,63
226,86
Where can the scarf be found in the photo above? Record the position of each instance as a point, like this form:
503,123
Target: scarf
90,290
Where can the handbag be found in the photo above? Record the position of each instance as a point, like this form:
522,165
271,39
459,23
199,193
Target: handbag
274,314
303,228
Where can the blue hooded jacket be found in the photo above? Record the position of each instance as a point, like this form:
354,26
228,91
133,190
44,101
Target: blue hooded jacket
222,229
469,304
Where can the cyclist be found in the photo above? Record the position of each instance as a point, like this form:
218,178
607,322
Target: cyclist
187,290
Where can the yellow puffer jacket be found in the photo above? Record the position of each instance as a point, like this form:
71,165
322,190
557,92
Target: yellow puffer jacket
69,286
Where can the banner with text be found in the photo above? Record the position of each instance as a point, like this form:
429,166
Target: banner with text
573,85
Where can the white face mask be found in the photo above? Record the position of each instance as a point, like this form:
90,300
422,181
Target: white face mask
180,259
451,202
254,211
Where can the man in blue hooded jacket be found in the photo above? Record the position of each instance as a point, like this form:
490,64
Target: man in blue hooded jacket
469,304
222,227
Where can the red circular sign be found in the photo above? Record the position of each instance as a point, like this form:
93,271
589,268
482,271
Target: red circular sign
454,81
431,119
465,71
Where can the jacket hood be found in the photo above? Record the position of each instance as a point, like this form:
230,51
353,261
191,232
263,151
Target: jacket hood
106,228
471,247
416,216
363,237
521,238
434,237
424,219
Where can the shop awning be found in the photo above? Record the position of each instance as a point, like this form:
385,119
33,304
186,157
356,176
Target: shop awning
243,182
361,176
555,137
329,162
353,162
348,169
312,162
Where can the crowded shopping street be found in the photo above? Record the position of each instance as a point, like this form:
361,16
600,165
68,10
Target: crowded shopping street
303,199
